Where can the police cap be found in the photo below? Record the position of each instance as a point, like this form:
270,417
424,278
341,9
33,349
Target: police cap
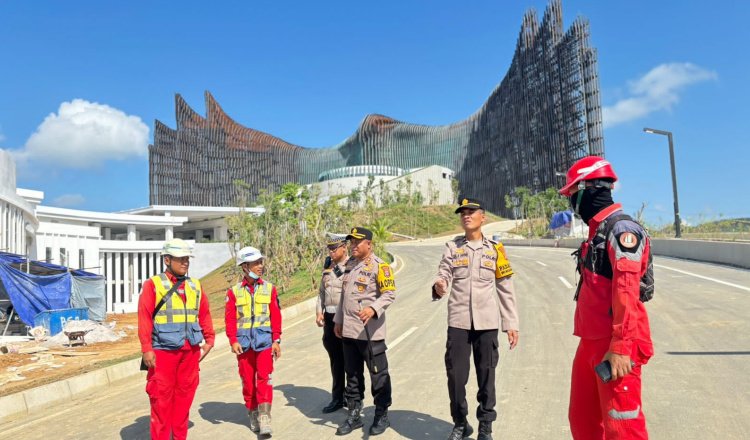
359,233
469,203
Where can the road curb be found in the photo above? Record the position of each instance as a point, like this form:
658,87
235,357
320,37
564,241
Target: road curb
34,400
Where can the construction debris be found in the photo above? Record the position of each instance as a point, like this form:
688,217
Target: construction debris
31,350
94,332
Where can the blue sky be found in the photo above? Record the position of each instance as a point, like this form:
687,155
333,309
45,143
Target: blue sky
309,72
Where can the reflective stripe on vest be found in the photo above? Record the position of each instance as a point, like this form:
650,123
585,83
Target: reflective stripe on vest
174,309
253,310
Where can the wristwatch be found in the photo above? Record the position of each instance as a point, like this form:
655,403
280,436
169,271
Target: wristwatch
277,341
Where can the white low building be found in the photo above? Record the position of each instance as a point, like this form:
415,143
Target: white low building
432,182
125,247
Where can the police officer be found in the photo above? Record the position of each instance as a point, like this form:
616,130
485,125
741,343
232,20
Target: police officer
481,300
325,308
252,316
610,319
173,319
368,290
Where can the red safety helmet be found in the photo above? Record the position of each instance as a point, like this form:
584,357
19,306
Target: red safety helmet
588,168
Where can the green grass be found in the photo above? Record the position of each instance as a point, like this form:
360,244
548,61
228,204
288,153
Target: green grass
216,283
737,229
424,221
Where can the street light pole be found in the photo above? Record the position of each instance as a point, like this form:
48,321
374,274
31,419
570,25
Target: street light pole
668,134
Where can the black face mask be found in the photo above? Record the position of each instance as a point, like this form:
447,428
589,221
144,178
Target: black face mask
593,200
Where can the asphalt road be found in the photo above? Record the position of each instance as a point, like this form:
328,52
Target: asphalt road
696,387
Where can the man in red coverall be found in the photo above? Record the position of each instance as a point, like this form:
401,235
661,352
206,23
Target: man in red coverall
172,322
253,324
610,319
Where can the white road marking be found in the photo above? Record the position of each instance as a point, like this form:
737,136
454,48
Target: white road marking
541,264
565,282
400,266
703,277
398,340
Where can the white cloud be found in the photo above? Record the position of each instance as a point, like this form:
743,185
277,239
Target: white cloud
656,90
84,134
68,200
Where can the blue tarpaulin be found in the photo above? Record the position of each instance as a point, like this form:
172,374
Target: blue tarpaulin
47,287
560,219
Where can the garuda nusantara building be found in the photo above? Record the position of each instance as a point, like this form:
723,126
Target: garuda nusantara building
544,115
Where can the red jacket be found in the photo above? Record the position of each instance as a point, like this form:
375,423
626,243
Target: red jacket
146,304
611,308
230,312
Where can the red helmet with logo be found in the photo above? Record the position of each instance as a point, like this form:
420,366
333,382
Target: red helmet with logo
588,168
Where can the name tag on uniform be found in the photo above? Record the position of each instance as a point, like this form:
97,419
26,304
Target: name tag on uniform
460,262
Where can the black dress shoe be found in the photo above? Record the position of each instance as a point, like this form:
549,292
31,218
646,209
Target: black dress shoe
380,424
485,431
461,431
335,405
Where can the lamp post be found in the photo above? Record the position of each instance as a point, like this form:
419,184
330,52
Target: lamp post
668,134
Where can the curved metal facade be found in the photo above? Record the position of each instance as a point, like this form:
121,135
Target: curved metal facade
544,115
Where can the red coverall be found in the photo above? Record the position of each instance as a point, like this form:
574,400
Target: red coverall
610,317
255,366
172,383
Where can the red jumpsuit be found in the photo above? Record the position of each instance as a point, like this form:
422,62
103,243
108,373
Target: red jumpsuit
609,317
171,384
255,367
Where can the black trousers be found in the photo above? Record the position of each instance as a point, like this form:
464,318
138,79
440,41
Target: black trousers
458,349
356,355
335,350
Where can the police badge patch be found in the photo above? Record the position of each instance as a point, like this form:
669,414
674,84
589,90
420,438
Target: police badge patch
386,282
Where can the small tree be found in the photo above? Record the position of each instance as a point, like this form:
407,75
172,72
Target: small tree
381,233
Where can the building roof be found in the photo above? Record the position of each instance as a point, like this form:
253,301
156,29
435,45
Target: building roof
107,219
193,213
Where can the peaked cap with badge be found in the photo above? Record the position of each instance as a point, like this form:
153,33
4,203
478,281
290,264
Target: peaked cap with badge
469,203
359,233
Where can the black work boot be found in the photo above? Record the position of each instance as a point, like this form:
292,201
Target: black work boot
353,420
380,424
335,405
485,431
461,430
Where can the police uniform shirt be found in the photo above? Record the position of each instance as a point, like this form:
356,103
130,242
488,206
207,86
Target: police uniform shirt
330,289
366,283
478,276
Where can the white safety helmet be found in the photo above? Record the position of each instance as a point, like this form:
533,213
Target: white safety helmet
177,247
248,254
